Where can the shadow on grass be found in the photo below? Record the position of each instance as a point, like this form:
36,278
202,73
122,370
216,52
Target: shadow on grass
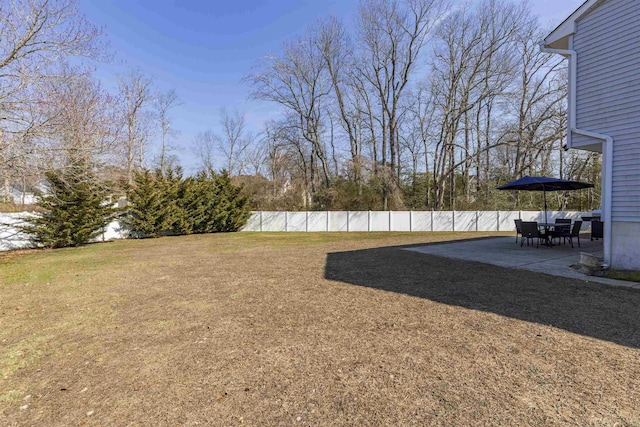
597,311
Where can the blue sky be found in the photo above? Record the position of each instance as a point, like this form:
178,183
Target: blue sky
203,49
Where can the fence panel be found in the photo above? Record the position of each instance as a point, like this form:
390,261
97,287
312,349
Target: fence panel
254,222
400,221
528,216
464,221
506,220
318,221
443,221
297,221
421,221
358,221
379,221
338,221
10,237
488,221
274,221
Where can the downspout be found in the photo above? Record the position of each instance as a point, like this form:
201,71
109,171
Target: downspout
607,184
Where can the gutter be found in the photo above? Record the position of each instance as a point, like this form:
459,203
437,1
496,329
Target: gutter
607,184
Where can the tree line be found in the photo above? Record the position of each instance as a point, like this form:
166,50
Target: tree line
406,104
421,104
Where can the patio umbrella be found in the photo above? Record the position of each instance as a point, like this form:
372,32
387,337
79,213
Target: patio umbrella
544,184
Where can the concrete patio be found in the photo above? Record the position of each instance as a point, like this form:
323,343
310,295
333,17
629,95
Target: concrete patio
504,252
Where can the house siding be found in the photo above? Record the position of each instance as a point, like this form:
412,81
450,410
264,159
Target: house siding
607,42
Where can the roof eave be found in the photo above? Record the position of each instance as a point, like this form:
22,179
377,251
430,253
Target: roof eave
557,43
559,38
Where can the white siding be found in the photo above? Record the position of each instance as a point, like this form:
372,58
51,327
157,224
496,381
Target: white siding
607,41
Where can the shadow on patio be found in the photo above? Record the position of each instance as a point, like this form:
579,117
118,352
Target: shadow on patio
592,310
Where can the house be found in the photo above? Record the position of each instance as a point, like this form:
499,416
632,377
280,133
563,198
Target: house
601,40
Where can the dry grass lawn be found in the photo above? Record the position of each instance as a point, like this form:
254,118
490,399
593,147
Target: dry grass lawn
307,329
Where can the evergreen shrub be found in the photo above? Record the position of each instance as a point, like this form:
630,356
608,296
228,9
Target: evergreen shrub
75,210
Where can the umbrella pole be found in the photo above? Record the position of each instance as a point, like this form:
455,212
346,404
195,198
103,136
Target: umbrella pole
544,194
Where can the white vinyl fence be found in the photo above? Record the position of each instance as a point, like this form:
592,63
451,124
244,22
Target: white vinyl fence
400,220
11,237
346,221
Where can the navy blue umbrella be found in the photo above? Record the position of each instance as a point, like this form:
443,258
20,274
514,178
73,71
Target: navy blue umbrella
544,184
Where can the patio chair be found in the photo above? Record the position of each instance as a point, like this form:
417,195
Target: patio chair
518,228
597,229
530,231
575,232
559,229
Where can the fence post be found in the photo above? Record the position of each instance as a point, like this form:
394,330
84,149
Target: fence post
453,220
368,220
390,222
498,220
477,219
348,225
306,222
432,220
411,221
327,223
261,221
286,221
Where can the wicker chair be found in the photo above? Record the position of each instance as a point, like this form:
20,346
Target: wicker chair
574,232
560,229
530,231
518,228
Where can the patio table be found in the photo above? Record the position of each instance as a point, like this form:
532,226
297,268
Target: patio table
548,226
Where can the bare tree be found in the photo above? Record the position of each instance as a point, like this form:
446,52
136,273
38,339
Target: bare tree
333,43
234,140
473,63
392,36
204,146
539,98
135,96
163,104
232,144
423,126
256,157
297,81
34,36
81,116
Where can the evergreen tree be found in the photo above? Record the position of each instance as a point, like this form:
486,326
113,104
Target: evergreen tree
76,208
166,204
171,215
152,208
231,210
144,203
197,199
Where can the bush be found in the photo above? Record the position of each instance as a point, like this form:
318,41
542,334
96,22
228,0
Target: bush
230,211
152,203
75,210
167,204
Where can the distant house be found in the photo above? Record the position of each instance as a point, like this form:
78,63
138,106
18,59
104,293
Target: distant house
601,39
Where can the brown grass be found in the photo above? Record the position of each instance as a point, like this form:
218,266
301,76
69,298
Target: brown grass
307,329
